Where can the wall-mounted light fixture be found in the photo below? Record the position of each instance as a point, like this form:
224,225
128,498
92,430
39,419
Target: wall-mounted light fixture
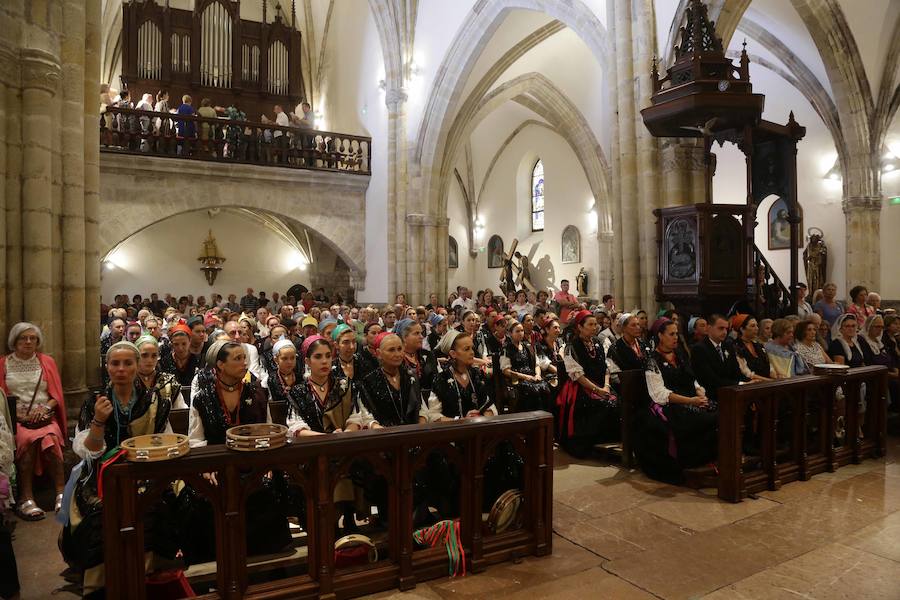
210,261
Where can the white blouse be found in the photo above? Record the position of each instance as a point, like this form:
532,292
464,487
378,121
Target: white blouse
21,379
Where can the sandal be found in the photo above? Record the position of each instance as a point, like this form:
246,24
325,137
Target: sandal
58,506
30,511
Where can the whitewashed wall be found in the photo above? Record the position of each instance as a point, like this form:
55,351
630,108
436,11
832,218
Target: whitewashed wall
162,258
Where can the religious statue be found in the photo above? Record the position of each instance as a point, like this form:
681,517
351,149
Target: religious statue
523,280
816,258
507,277
581,283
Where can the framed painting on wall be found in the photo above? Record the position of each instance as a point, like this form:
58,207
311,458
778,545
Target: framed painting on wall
453,254
495,252
571,245
779,228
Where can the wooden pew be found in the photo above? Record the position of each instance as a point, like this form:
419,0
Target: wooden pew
317,463
799,458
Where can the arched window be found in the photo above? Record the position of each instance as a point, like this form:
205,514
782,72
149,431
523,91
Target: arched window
537,196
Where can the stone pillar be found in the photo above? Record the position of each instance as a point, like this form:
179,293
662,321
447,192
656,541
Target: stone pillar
862,215
74,307
398,255
626,177
9,84
644,44
683,172
615,243
91,193
427,256
40,77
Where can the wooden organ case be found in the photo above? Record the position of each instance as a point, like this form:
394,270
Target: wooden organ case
211,52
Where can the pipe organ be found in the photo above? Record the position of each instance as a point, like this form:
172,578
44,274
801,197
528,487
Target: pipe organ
210,52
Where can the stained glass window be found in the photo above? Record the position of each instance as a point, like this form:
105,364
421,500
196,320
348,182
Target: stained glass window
537,196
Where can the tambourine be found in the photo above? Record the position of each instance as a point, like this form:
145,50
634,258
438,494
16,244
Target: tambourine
504,514
348,549
256,437
154,447
830,369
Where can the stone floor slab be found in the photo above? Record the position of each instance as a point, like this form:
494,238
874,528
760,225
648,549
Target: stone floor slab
701,513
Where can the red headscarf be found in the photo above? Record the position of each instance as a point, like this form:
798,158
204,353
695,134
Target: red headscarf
580,316
380,338
179,328
309,342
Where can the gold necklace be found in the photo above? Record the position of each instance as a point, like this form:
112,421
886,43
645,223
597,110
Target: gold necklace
319,387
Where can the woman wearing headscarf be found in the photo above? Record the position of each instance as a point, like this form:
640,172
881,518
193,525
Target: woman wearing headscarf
677,430
518,364
630,351
460,390
119,412
871,341
418,361
470,325
438,327
228,395
751,355
32,377
367,361
588,412
389,395
179,361
150,379
844,348
346,359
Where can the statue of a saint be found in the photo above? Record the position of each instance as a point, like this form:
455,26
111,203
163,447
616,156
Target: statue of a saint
523,279
581,282
507,277
815,256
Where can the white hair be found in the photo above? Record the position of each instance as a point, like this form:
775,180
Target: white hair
18,329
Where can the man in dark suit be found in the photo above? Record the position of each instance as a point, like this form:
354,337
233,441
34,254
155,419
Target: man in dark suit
714,360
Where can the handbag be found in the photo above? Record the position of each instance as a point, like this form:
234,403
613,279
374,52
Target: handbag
42,422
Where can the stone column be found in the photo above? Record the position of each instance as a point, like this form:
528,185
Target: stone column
644,44
427,252
398,255
627,156
11,148
683,172
91,193
862,215
40,77
74,103
615,242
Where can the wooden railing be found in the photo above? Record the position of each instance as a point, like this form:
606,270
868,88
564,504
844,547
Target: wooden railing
130,131
776,294
316,464
806,446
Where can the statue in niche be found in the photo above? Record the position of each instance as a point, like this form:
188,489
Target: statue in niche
581,283
571,245
495,252
815,256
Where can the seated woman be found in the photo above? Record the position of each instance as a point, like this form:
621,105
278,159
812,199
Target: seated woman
844,347
418,361
751,355
150,380
179,362
495,339
366,359
389,396
630,351
346,360
807,345
550,356
588,412
871,341
32,377
784,361
9,573
519,365
460,390
470,325
438,324
118,413
678,432
228,395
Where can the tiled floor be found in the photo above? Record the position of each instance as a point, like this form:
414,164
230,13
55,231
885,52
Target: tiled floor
620,535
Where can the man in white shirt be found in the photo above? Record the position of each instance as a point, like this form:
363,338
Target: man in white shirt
465,299
282,120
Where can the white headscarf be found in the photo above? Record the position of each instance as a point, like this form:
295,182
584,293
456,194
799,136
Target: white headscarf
280,344
836,333
446,343
877,346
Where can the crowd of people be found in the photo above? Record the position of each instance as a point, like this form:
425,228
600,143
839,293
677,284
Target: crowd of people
340,368
285,137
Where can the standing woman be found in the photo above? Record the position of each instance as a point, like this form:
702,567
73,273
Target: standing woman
418,361
107,420
751,355
33,378
389,395
679,431
588,412
858,307
828,307
519,365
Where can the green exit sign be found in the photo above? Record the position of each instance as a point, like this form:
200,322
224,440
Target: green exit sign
895,201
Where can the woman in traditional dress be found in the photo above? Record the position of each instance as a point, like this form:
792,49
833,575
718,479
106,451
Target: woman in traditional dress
460,390
871,340
150,379
518,364
588,412
844,348
389,395
418,361
346,359
367,361
629,352
470,325
119,412
179,361
678,431
32,377
751,355
438,327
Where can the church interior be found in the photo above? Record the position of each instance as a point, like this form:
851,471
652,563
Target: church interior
285,226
